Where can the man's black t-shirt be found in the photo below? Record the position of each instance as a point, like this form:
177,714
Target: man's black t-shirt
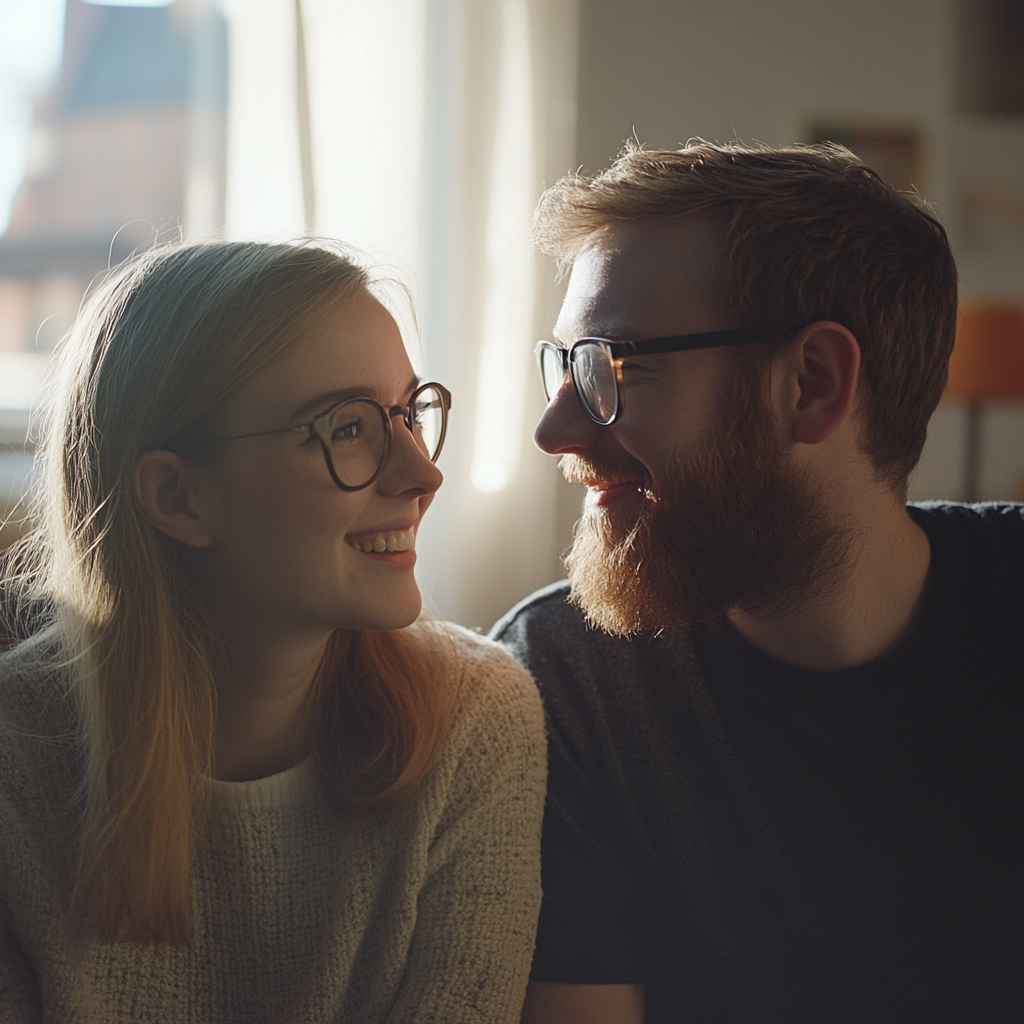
757,842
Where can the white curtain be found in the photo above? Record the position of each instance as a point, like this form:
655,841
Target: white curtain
423,131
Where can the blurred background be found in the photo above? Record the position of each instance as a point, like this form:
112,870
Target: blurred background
424,130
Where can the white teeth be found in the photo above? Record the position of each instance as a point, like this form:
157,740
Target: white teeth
379,543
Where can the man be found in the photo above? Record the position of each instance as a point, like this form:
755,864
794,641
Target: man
784,707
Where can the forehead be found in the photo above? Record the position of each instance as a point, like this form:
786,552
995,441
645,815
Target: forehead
353,343
647,277
354,338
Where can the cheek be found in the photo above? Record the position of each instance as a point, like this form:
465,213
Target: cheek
282,513
646,439
667,424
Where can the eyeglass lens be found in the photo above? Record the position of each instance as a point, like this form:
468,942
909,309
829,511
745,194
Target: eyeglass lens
594,374
427,414
551,371
358,435
358,441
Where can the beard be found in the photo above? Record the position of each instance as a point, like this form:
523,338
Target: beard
736,525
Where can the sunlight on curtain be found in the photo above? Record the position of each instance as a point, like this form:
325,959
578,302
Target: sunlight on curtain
365,67
366,98
264,176
509,307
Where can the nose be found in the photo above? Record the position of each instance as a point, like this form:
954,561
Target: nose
565,427
408,471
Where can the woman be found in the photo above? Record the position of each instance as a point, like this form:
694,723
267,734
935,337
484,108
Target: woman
235,783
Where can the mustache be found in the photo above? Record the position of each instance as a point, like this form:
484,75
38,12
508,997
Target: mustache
612,469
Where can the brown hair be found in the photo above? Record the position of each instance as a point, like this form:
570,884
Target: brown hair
808,233
157,350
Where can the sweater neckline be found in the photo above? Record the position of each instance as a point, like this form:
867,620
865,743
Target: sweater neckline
294,786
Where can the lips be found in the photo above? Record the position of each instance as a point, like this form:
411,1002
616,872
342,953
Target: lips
602,493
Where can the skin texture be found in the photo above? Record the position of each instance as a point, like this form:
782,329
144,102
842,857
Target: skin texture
653,278
268,533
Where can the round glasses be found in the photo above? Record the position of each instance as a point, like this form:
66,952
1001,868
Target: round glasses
356,434
595,364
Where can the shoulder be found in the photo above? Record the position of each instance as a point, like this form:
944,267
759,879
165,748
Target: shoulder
545,633
545,611
497,695
992,520
987,526
495,752
593,684
35,695
487,668
552,638
38,738
982,543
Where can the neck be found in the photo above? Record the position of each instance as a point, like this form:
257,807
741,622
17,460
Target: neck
262,679
861,612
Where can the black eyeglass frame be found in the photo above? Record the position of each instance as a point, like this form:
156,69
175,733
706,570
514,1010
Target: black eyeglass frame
317,428
618,351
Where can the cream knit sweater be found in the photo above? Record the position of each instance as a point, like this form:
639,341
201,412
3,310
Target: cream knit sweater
300,914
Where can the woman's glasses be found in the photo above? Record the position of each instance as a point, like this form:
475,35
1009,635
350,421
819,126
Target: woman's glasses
356,435
595,364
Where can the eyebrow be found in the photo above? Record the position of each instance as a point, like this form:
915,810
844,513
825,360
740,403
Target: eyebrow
327,399
610,331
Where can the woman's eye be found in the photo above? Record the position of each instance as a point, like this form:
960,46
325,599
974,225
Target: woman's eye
348,431
422,409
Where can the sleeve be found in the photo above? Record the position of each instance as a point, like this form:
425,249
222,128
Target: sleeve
470,954
595,924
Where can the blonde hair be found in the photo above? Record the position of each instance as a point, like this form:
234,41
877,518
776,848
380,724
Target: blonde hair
158,348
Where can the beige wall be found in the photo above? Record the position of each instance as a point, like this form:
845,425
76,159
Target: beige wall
767,70
756,69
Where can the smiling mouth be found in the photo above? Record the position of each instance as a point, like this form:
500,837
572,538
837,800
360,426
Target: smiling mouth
385,542
603,492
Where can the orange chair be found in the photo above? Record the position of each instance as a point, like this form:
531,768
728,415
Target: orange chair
987,364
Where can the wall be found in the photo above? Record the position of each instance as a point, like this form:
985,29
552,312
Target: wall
754,70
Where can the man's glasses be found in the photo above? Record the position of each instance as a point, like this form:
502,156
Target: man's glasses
356,434
595,364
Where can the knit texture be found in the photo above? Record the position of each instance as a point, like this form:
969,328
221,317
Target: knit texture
301,913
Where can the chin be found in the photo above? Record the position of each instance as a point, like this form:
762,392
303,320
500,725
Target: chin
617,521
392,611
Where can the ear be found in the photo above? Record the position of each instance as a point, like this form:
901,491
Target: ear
818,372
165,493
